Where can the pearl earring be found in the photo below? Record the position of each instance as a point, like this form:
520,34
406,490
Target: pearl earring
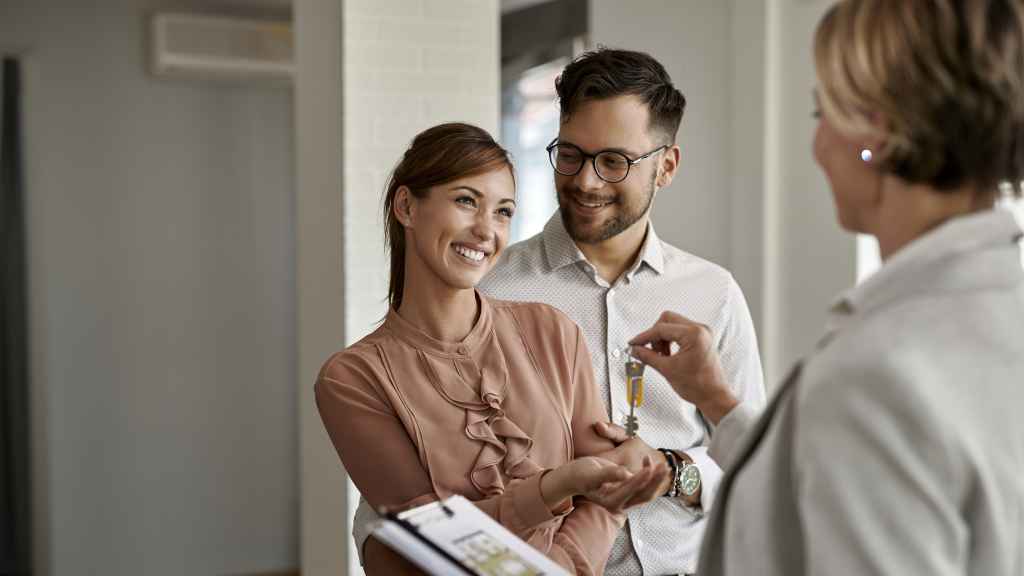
865,155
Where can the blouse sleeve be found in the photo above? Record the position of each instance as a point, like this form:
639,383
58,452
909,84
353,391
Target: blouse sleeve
364,427
586,536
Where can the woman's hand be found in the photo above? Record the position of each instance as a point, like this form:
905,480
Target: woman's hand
612,486
629,452
640,488
693,369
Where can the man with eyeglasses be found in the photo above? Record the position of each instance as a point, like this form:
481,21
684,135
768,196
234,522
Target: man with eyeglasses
599,261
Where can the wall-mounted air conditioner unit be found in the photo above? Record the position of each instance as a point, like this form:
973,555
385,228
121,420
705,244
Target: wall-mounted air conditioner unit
194,45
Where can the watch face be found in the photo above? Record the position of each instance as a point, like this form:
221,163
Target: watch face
691,480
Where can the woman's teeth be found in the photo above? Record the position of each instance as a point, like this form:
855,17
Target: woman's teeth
474,255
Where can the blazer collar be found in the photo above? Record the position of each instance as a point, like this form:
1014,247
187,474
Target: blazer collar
971,251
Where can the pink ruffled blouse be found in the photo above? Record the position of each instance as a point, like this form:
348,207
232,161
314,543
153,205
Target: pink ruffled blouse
415,419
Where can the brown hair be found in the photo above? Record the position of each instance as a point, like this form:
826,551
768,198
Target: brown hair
438,155
607,73
946,75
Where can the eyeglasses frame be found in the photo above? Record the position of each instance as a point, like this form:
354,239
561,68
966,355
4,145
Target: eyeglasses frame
630,162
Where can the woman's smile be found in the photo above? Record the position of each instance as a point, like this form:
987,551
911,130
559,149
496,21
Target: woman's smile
471,255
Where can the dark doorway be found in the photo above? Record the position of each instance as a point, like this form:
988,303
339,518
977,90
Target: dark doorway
15,524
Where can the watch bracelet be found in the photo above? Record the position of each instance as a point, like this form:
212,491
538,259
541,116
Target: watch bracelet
676,468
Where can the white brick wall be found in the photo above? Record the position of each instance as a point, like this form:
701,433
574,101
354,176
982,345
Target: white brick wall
408,65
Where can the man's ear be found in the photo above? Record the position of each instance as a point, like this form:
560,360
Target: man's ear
404,206
668,166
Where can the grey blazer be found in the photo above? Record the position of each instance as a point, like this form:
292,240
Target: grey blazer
898,447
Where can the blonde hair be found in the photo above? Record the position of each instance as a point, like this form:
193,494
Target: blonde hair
945,76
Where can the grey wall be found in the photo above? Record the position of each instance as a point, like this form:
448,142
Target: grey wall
748,195
691,38
162,303
389,69
815,258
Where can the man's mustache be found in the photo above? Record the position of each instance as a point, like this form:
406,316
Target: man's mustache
586,196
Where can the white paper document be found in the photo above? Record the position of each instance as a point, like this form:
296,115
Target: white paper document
453,536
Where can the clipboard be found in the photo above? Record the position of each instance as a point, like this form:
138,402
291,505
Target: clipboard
453,536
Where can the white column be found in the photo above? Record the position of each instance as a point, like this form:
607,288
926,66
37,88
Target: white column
388,69
323,534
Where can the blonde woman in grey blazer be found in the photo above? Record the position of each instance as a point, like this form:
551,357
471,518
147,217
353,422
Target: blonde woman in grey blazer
897,445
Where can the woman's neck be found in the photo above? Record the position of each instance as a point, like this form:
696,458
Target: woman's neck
907,212
442,313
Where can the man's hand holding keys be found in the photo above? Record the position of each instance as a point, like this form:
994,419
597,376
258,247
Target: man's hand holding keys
684,353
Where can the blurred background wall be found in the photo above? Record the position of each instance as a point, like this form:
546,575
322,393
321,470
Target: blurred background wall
161,239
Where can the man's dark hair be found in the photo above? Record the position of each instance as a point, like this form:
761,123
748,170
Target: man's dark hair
607,73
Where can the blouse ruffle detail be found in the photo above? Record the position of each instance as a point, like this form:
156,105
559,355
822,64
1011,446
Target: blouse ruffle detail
505,446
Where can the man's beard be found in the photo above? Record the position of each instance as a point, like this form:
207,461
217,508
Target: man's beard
626,215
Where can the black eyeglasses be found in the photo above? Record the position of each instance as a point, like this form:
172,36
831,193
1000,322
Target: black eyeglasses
609,165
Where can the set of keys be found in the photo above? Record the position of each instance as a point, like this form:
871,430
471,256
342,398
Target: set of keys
634,392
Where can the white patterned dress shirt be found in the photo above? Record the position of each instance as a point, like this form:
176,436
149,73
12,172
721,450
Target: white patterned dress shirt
662,537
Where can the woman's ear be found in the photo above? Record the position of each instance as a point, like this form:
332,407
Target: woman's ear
404,206
873,144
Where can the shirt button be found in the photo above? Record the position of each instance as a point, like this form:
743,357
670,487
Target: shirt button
616,353
611,292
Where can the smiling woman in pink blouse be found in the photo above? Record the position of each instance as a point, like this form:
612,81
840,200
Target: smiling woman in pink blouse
456,393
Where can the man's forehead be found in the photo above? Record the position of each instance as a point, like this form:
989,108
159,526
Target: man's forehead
619,122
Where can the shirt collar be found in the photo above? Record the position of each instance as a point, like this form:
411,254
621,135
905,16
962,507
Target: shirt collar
916,267
561,250
650,253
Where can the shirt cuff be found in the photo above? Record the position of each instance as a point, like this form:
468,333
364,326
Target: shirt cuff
361,526
366,516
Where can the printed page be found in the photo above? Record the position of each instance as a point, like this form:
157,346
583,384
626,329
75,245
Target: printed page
473,538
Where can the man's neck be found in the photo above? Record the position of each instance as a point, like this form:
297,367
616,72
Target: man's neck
615,255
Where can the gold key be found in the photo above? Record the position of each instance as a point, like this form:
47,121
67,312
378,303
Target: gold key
634,392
